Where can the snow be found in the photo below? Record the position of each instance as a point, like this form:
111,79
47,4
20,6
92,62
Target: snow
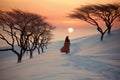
90,59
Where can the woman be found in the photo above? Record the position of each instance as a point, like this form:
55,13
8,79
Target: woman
66,47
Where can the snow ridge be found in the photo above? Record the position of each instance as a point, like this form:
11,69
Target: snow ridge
89,59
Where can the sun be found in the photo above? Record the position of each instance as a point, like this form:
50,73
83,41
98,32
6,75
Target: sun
70,30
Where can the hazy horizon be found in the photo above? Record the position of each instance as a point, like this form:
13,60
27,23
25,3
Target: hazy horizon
56,12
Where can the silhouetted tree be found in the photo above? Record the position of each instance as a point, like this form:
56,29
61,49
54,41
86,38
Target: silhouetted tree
93,14
109,13
9,35
24,29
45,37
86,13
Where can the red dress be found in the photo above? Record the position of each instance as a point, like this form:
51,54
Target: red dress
66,47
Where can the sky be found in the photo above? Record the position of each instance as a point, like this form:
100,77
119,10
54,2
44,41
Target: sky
56,12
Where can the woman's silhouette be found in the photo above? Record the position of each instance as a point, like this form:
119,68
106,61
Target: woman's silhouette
66,47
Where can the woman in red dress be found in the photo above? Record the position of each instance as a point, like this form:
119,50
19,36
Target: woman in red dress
66,47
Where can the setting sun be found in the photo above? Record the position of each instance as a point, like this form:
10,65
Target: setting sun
56,13
70,30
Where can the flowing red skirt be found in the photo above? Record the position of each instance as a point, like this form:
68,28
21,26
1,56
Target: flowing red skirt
65,48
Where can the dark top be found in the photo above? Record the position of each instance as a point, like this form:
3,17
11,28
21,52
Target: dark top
67,39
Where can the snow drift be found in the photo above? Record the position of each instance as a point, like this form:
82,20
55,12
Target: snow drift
89,59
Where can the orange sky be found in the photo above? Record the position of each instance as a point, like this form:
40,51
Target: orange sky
56,12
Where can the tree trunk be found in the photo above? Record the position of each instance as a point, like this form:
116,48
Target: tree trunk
42,49
102,35
19,58
31,54
109,30
38,50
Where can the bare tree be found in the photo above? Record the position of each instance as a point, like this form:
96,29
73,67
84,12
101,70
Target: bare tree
24,29
92,14
85,13
7,26
45,37
109,14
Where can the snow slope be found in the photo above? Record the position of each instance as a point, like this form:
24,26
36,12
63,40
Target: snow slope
89,59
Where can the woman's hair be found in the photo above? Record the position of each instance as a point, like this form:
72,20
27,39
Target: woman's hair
67,39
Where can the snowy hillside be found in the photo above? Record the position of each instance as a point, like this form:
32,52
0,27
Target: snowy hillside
89,59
